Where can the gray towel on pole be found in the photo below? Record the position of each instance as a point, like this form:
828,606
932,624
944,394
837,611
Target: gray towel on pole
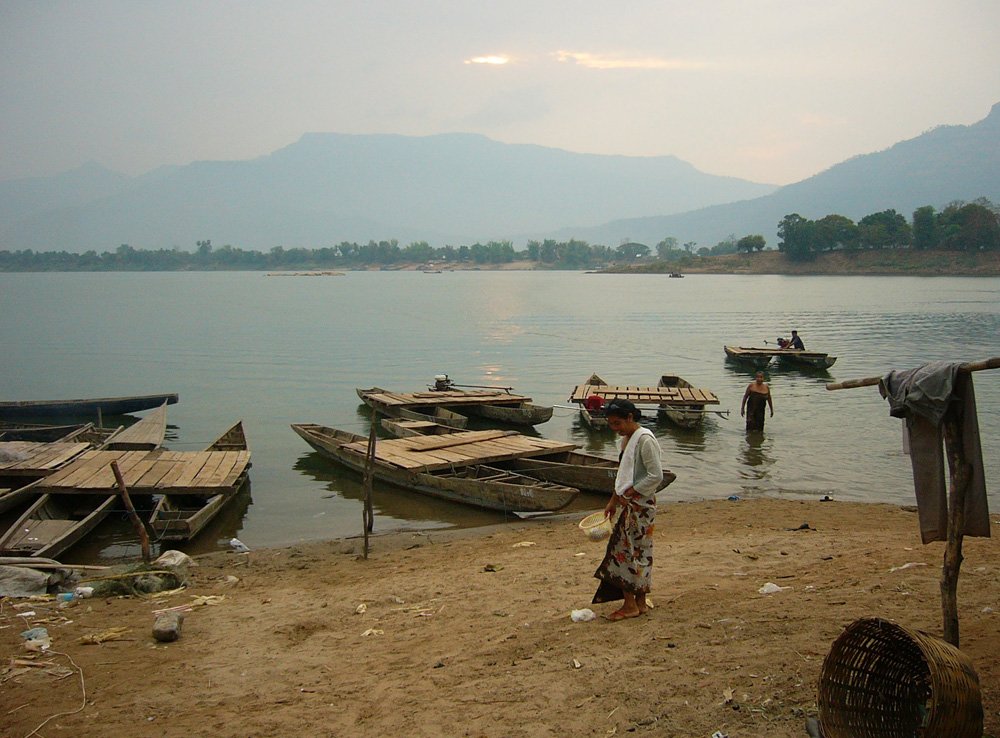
922,396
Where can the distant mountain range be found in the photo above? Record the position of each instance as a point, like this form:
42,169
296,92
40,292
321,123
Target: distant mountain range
326,188
945,164
461,188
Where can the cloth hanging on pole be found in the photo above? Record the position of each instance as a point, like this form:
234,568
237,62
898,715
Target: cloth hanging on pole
923,396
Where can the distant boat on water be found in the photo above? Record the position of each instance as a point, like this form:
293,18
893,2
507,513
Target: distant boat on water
80,408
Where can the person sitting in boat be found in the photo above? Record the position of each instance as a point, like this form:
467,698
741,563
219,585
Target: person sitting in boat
795,342
757,396
594,403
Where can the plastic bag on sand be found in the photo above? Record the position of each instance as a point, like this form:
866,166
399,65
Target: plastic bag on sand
770,588
582,616
174,558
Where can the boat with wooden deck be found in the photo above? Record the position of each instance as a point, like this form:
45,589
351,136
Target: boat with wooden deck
759,358
179,517
456,469
674,399
83,408
482,401
498,405
685,414
375,398
586,472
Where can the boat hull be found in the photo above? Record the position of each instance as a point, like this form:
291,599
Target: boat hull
478,485
524,414
54,523
78,408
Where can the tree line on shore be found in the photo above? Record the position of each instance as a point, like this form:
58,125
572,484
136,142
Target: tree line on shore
958,226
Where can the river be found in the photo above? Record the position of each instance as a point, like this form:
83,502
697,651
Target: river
274,351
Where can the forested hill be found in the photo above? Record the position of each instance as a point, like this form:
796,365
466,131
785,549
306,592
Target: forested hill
942,165
328,188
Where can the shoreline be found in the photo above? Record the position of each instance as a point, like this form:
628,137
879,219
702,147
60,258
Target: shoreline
466,632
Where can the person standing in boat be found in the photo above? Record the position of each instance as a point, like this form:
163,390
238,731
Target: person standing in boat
626,570
757,396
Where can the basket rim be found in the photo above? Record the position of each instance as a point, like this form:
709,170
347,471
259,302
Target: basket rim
594,519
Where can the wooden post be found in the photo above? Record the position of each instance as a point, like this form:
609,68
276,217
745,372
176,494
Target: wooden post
136,522
959,476
368,513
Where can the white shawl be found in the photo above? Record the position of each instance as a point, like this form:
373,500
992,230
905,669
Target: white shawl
626,467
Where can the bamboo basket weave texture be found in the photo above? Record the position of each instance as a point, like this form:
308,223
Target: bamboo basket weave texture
883,680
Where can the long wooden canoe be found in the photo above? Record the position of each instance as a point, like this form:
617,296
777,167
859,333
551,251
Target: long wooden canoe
54,523
586,472
83,408
146,435
178,517
478,484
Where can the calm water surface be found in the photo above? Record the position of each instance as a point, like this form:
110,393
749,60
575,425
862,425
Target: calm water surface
275,351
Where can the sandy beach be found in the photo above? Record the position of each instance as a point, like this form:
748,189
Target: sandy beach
468,633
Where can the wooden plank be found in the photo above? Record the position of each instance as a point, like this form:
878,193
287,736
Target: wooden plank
239,469
181,460
226,465
430,443
78,472
210,467
159,469
193,466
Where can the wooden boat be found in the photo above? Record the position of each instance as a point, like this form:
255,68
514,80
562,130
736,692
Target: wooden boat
498,404
593,416
493,404
178,517
460,471
81,408
761,357
54,523
432,414
684,414
756,358
586,472
673,398
523,413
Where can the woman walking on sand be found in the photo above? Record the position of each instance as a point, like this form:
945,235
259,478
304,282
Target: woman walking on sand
758,395
626,570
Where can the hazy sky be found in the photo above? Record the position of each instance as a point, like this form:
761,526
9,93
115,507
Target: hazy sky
769,90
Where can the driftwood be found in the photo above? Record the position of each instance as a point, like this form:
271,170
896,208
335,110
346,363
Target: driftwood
958,479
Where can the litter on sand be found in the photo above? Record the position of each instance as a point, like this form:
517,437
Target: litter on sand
771,588
907,566
582,616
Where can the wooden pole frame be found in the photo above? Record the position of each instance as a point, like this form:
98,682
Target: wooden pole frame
959,474
133,516
368,512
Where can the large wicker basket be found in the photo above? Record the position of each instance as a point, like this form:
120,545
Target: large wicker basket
882,679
